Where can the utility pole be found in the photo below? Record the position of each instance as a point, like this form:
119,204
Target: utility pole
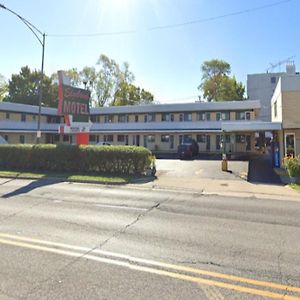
36,33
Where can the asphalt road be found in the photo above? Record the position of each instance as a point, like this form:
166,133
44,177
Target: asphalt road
78,241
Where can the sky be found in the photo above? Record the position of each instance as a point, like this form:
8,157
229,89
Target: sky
166,60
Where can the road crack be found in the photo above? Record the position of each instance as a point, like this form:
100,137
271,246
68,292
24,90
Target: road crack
123,230
99,246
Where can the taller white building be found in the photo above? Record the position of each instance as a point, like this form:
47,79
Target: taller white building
262,86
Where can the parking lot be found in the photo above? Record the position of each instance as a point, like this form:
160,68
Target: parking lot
200,169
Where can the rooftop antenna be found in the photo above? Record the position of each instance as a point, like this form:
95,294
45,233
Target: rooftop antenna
279,64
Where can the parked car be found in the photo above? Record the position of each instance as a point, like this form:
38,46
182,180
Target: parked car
188,149
103,144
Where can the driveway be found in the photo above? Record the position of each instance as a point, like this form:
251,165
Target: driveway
200,169
206,176
261,170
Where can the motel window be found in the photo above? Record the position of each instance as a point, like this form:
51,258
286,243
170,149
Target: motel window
121,138
53,120
180,117
108,138
240,115
22,139
7,115
108,118
188,116
240,138
151,139
56,138
23,117
6,137
223,116
123,118
203,116
187,138
92,138
149,118
95,119
165,117
201,138
227,138
275,109
136,118
33,118
165,138
66,138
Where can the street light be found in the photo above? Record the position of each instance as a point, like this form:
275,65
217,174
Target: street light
35,31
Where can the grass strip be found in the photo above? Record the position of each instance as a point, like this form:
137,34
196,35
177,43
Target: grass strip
295,186
103,178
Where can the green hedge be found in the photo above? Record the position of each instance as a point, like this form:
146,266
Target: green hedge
69,158
293,166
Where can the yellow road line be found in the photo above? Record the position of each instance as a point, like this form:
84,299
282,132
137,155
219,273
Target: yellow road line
161,264
184,277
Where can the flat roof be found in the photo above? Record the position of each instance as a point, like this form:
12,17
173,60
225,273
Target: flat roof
250,126
151,108
25,108
179,107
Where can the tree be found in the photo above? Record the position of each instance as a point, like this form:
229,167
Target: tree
129,94
111,84
110,79
216,83
24,88
3,87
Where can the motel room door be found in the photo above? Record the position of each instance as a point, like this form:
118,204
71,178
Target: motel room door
248,142
136,140
208,143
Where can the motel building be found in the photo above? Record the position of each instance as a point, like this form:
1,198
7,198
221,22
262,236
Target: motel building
162,127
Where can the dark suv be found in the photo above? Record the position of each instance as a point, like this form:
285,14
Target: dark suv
188,149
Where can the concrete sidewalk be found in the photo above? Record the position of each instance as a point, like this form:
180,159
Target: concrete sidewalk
192,176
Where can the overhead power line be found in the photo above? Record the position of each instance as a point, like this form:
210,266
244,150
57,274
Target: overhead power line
170,26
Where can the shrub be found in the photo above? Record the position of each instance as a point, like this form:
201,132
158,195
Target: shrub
69,158
292,164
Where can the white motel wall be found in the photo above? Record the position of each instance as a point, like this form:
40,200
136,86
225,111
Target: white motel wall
159,127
